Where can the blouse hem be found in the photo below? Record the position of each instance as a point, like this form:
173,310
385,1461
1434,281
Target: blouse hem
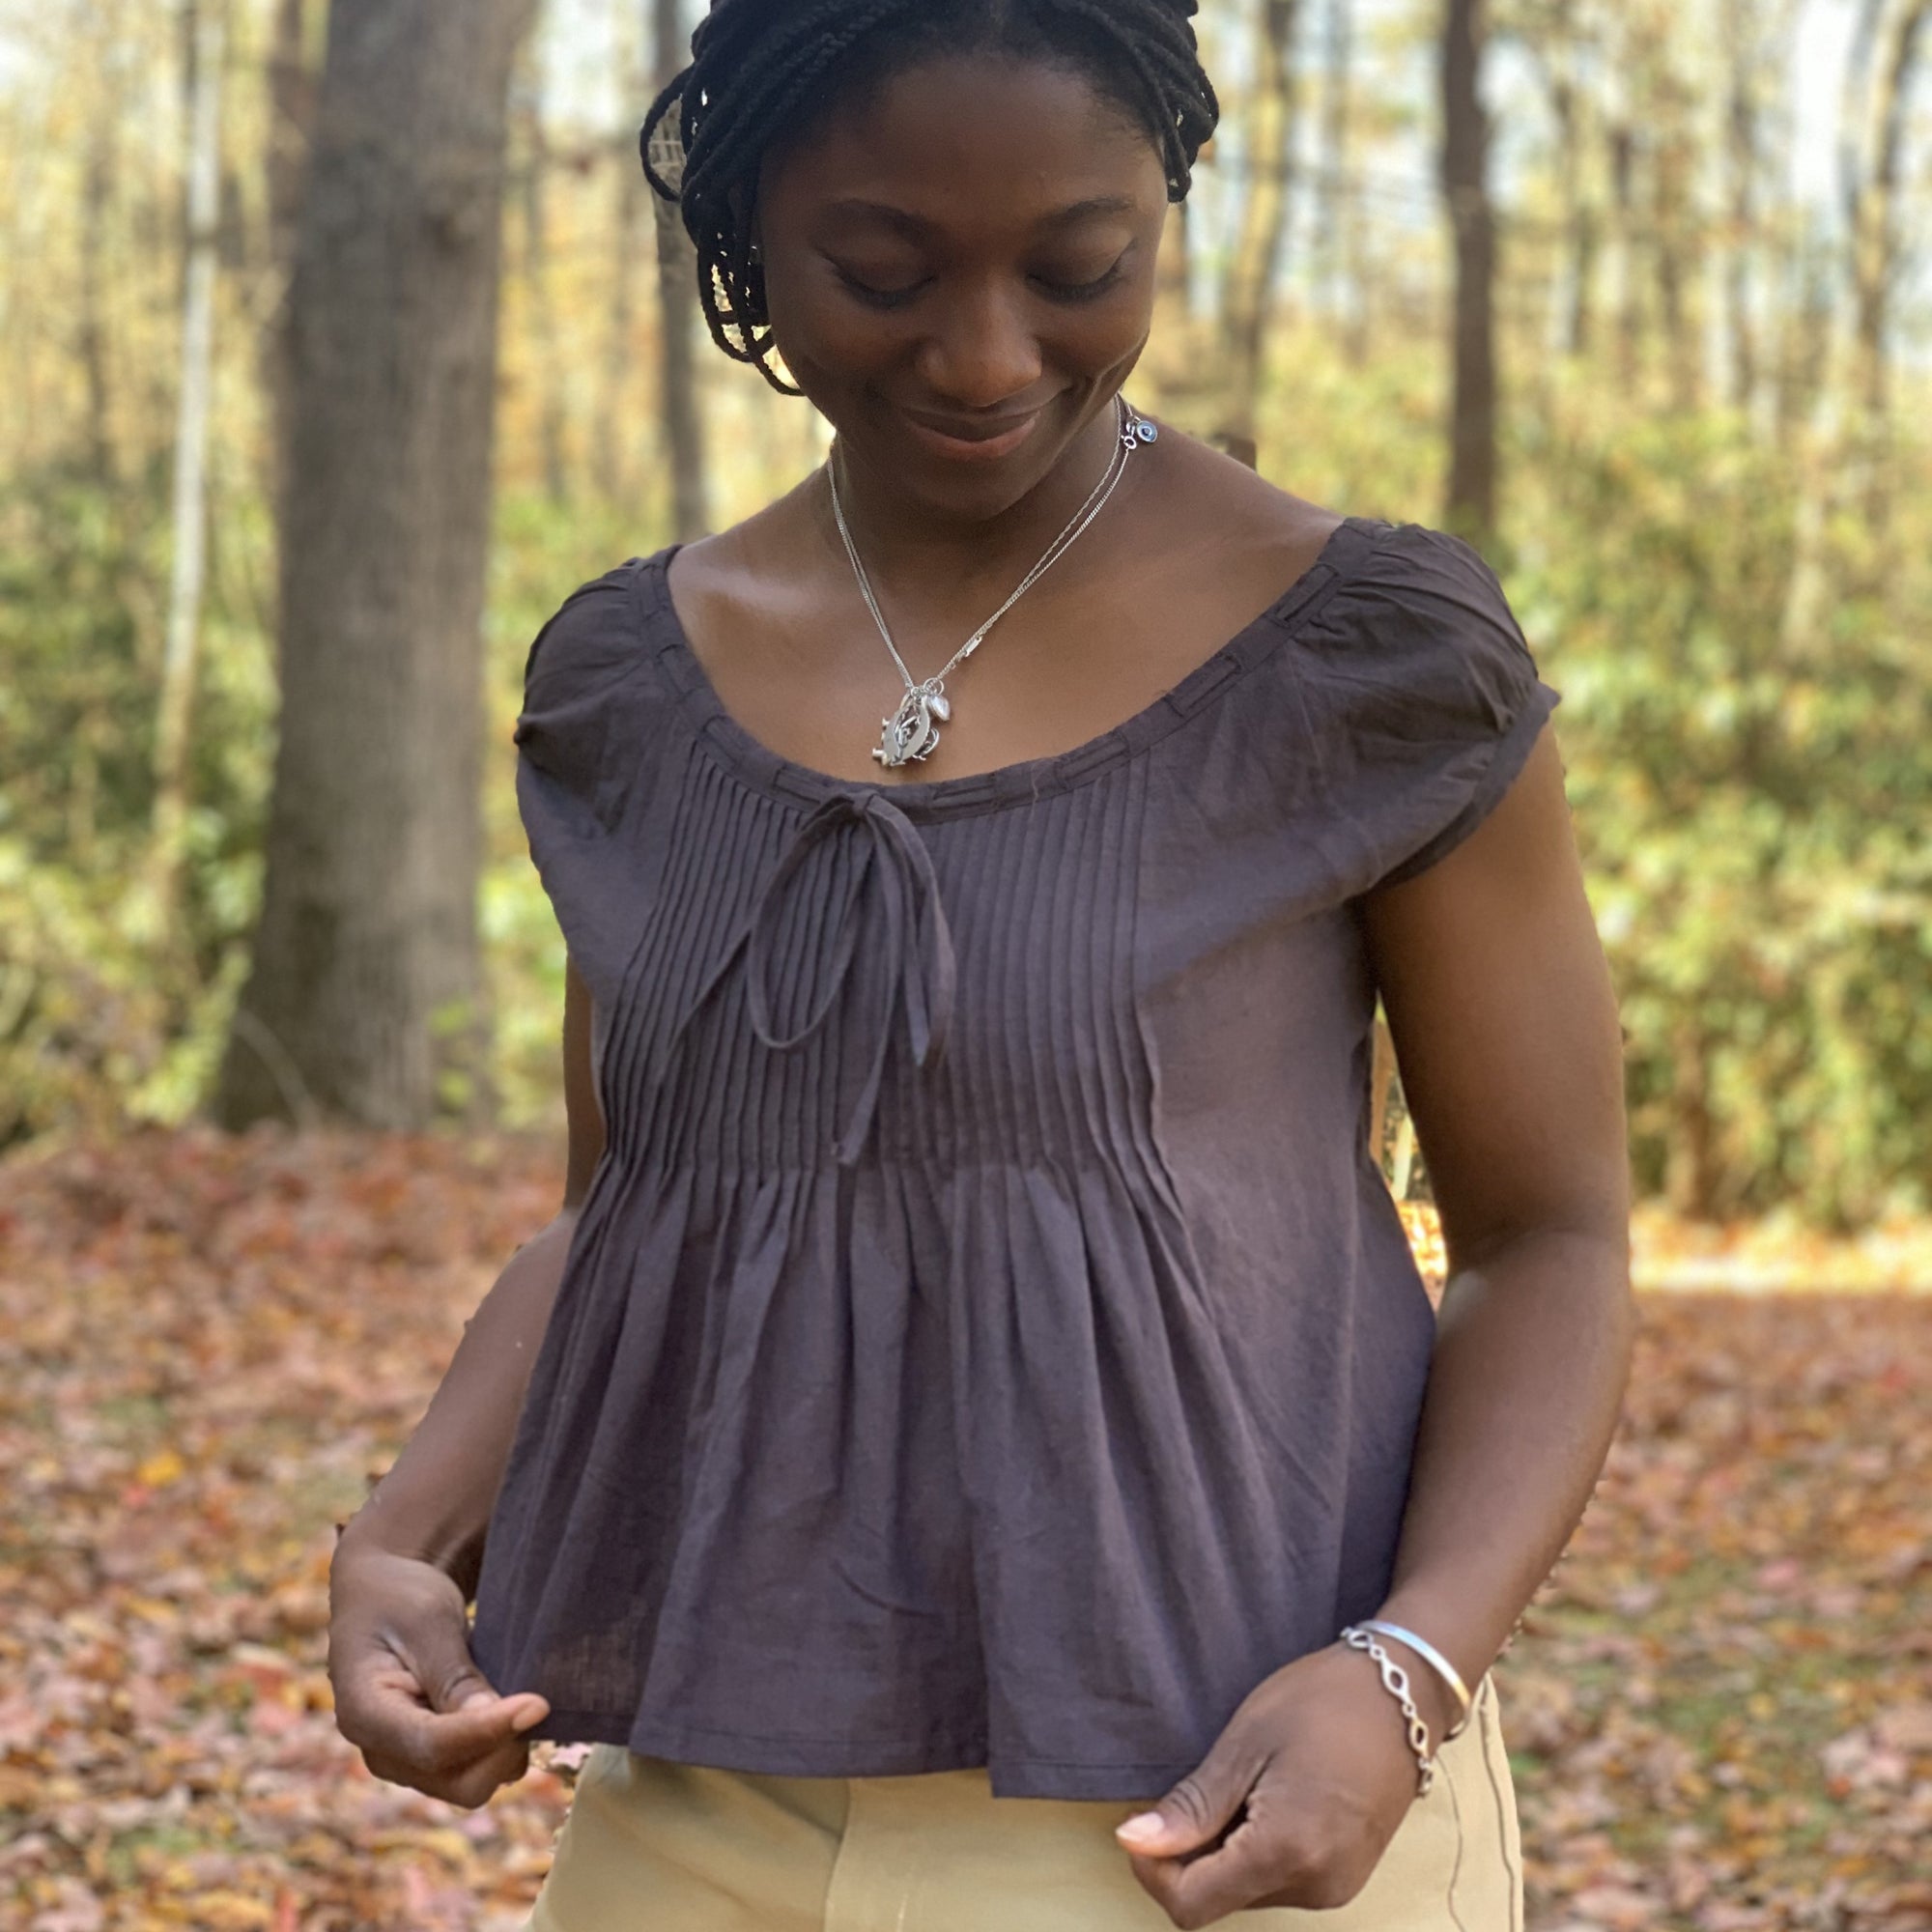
800,1757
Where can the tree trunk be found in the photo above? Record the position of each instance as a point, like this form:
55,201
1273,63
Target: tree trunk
365,997
546,359
611,464
1337,240
190,479
1249,303
1674,245
1846,419
1570,314
677,318
291,126
1741,157
1472,499
1877,250
95,202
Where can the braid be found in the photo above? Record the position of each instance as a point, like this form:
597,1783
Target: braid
759,68
1177,99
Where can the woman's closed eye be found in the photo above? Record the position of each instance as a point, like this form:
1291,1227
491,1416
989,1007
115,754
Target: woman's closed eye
896,295
1074,289
879,290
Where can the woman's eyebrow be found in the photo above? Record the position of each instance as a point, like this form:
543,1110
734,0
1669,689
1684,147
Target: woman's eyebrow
1085,210
915,229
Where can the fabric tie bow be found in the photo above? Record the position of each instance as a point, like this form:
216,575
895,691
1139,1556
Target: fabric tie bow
899,882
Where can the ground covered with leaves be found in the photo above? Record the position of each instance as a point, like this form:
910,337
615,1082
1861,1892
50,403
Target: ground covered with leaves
1720,1707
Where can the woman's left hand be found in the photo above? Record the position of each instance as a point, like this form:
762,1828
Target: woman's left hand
1314,1775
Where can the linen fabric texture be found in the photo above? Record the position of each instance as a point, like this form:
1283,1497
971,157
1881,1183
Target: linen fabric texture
656,1846
987,1340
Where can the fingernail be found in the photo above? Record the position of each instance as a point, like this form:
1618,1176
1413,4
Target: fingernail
535,1714
1142,1826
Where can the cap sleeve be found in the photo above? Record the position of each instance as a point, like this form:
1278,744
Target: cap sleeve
1425,702
572,768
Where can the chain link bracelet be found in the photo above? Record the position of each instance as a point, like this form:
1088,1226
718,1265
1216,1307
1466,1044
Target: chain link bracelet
1395,1680
1437,1662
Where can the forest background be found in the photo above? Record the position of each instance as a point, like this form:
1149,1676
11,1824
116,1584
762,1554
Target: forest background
1632,294
1691,431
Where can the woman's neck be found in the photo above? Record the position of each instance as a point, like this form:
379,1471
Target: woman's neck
902,543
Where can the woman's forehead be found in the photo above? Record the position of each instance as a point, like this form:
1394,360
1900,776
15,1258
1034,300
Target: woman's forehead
960,139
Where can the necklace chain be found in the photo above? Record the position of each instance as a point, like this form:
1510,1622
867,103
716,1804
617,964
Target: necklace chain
912,731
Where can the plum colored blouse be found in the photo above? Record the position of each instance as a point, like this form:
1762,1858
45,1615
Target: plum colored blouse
987,1339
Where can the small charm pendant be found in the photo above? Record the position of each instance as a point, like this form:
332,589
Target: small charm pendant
912,731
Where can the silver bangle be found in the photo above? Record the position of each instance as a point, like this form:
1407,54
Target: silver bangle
1395,1681
1440,1663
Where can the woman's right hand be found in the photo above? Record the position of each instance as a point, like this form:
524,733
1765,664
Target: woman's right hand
408,1692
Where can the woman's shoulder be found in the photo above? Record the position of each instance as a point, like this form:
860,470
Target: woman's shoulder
745,578
1388,584
594,636
1419,634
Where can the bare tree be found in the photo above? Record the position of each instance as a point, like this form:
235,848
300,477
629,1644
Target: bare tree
97,197
533,204
1743,160
1675,244
366,998
1337,240
1472,499
611,465
1874,210
677,318
1842,459
290,82
1248,303
1573,311
190,480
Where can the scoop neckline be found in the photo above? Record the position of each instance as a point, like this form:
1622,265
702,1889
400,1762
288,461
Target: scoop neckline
1026,779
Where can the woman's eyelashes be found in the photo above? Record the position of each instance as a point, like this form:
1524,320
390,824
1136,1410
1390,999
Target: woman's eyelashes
878,298
1079,291
1055,288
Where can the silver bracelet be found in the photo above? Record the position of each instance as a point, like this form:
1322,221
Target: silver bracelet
1395,1680
1433,1658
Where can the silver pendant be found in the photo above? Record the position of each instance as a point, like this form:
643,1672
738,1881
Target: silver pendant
912,731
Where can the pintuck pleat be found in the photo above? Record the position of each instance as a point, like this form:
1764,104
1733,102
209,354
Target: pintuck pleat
986,1340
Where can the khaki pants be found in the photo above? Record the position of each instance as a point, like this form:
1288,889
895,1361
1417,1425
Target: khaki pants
653,1846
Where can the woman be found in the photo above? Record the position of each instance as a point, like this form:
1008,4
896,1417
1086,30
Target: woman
948,1446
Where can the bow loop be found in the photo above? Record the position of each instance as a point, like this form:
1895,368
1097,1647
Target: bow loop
894,910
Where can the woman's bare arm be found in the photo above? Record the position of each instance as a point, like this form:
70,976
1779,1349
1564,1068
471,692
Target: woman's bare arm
1505,1026
408,1692
1499,1001
435,1502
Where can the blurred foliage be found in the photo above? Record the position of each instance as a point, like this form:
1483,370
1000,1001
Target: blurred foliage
1752,817
98,1025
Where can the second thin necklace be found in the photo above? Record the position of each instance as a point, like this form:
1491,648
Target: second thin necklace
912,731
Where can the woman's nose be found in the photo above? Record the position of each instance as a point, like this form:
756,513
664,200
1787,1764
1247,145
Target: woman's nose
983,350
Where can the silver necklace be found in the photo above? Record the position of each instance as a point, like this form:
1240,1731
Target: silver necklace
912,731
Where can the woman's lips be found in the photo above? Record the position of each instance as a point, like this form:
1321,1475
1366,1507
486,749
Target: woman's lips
961,445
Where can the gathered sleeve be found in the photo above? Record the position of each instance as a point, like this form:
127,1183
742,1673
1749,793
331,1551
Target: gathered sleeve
578,767
1424,702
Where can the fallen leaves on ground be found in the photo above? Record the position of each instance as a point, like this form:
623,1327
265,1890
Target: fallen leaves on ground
1720,1709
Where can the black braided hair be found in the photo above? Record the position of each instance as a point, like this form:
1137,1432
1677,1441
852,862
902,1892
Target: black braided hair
762,70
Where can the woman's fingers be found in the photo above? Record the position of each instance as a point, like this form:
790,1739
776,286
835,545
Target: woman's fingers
408,1692
392,1710
444,1753
453,1768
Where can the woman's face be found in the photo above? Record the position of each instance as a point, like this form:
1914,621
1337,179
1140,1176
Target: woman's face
960,272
